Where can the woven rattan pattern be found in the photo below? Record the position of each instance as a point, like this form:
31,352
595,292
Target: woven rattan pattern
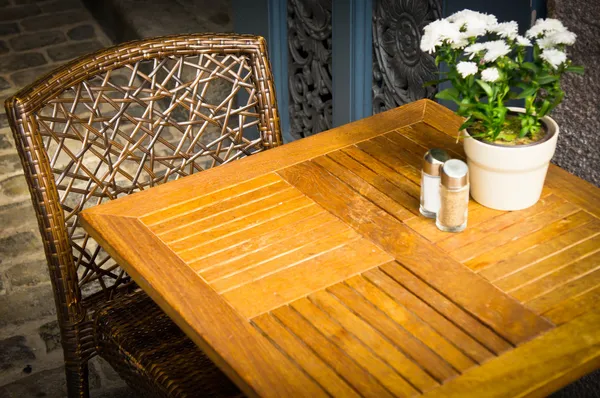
122,120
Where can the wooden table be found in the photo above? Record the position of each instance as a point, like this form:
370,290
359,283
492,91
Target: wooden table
307,270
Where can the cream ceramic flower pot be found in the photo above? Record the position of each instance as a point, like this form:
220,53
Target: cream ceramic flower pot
510,178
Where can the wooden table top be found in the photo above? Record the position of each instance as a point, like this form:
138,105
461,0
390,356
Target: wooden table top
307,270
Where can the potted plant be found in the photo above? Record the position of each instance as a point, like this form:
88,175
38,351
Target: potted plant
508,149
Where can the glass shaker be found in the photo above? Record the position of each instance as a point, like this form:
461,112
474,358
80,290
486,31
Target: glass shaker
430,181
454,197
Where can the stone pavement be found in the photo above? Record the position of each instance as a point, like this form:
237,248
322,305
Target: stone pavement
35,37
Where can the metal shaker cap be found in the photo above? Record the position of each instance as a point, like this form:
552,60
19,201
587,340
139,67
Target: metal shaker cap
455,174
434,160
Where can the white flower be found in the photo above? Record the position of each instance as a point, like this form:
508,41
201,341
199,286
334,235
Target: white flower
466,68
473,49
554,57
495,49
472,23
460,42
523,41
545,42
490,75
542,26
436,33
506,29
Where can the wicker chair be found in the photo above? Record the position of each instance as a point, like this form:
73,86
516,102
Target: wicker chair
115,122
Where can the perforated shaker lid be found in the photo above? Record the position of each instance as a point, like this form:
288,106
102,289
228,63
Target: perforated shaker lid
455,174
433,161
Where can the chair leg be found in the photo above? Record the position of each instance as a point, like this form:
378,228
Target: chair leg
77,381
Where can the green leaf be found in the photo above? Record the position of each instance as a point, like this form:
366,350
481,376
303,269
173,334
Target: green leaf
545,79
450,94
466,124
575,69
530,66
481,116
544,108
486,87
526,93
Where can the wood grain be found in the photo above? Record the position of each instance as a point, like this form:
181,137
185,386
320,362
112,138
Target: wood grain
533,369
509,319
308,271
199,311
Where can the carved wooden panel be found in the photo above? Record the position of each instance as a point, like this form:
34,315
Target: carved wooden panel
399,66
309,66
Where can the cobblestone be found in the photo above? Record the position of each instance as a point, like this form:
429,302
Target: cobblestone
3,47
4,84
9,29
73,50
25,77
50,333
59,19
13,62
29,273
18,12
82,32
37,40
13,187
27,304
14,349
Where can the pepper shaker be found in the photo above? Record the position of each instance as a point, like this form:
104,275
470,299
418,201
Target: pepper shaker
454,197
430,181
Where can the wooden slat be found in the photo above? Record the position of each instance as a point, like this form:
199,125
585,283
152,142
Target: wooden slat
506,316
517,246
198,310
541,251
188,228
372,318
401,179
502,220
467,253
337,332
195,238
392,191
278,241
210,211
411,322
393,207
564,292
541,268
400,151
561,276
439,322
536,368
574,307
245,235
262,295
481,332
442,119
478,214
429,137
243,271
237,172
180,208
335,357
292,346
575,190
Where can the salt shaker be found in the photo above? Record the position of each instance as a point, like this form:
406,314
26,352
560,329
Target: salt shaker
454,197
430,181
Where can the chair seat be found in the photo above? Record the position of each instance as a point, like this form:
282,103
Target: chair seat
152,354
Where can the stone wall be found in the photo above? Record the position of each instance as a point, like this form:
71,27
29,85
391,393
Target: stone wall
579,114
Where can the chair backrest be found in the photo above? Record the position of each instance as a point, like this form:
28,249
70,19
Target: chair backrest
125,119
